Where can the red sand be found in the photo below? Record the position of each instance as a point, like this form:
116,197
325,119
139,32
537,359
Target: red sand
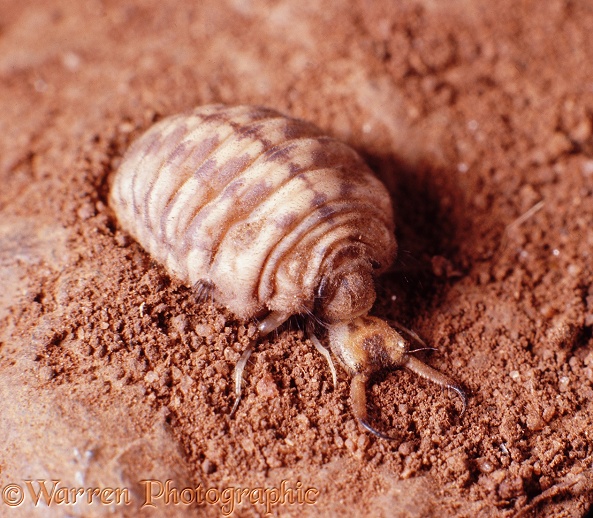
473,115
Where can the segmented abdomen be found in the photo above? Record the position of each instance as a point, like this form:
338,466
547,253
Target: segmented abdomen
251,201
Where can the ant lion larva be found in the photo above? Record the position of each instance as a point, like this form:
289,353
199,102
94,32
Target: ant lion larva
271,218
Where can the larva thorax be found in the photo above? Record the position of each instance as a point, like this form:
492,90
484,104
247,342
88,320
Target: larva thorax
274,217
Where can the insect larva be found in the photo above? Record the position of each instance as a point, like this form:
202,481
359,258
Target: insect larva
273,219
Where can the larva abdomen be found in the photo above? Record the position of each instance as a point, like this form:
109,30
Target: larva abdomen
251,202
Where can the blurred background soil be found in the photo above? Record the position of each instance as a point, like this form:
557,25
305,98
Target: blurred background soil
477,115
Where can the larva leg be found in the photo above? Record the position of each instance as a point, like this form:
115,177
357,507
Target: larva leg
325,353
274,320
238,375
420,368
359,404
203,290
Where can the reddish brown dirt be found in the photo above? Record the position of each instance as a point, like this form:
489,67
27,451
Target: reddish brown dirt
478,116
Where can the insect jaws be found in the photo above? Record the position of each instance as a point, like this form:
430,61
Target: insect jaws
367,345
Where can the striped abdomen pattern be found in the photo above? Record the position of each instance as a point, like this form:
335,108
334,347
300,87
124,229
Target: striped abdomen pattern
260,206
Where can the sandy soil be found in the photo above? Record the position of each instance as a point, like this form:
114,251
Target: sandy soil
479,119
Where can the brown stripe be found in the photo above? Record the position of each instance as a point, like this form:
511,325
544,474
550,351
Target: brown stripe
172,138
225,141
200,153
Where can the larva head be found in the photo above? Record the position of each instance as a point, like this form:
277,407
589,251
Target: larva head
368,344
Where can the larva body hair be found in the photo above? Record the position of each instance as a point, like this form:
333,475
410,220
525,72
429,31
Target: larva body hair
260,206
271,218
